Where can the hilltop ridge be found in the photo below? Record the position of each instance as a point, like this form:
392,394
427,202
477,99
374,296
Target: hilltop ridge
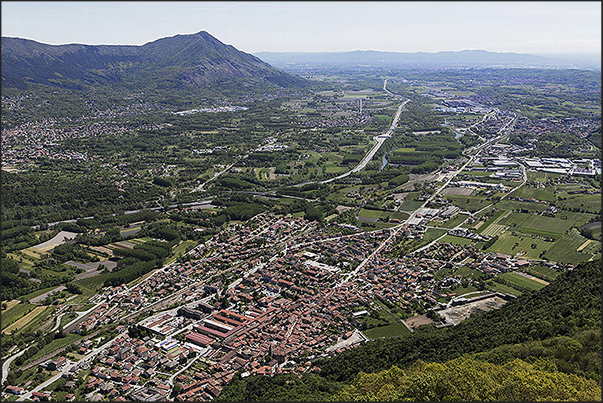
196,60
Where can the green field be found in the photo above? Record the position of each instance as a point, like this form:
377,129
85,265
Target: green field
541,177
55,345
385,118
16,312
179,250
410,204
537,224
494,219
464,290
434,233
564,250
462,271
537,193
454,221
391,330
330,169
542,272
93,283
477,173
494,230
494,286
515,205
471,203
443,273
468,272
587,203
523,246
382,215
370,213
30,320
455,240
522,281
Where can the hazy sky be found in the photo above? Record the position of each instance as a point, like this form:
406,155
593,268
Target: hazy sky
523,27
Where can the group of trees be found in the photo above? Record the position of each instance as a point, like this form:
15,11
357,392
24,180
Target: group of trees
48,198
137,261
468,379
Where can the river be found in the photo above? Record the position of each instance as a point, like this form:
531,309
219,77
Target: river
383,163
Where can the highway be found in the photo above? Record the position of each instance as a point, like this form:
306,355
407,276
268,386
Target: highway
200,187
379,142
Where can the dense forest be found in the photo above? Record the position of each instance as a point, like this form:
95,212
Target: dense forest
559,325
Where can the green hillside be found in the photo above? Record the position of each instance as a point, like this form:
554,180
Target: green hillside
468,379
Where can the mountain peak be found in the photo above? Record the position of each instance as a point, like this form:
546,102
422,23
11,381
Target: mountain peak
196,60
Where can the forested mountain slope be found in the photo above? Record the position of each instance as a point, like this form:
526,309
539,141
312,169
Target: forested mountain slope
197,60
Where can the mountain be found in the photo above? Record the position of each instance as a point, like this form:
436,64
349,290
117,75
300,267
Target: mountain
465,58
197,60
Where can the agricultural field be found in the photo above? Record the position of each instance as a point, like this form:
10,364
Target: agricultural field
462,271
334,169
547,194
542,177
55,345
523,246
387,331
493,219
410,203
378,215
468,272
15,312
450,223
494,230
537,224
455,240
522,281
565,250
507,204
541,272
181,249
25,320
585,203
468,203
434,233
505,289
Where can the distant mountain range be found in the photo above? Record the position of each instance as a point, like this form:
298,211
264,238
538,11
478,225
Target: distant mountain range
447,59
197,60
